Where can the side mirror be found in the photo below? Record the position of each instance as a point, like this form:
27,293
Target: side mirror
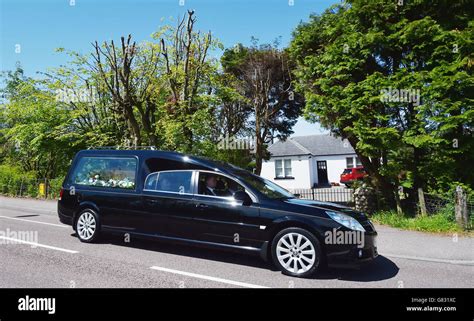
243,197
297,195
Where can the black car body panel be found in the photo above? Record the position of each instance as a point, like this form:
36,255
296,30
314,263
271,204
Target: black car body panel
199,219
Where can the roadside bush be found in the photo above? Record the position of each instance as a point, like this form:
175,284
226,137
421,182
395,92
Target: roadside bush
15,182
54,187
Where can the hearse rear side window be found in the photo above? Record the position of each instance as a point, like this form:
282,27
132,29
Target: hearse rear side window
107,172
171,182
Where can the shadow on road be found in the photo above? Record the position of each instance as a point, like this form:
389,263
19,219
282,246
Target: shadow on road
188,250
381,269
32,215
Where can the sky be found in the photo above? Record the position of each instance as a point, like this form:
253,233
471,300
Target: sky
30,30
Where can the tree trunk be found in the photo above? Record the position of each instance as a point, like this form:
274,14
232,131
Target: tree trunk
188,134
149,130
381,184
258,144
134,126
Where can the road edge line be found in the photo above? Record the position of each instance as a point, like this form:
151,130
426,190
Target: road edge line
209,278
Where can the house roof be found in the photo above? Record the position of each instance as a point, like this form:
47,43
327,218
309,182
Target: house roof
316,145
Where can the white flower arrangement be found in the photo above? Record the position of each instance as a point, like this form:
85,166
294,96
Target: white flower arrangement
96,181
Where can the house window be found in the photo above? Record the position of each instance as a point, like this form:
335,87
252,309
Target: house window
358,162
283,168
279,168
349,162
287,163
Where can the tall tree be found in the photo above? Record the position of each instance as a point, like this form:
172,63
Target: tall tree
96,119
395,79
232,131
32,127
265,75
128,77
189,71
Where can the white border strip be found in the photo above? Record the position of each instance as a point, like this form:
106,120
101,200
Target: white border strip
33,244
209,278
427,259
22,219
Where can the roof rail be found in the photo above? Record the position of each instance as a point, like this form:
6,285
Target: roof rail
124,147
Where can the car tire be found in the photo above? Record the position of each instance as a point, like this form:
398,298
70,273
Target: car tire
296,252
87,226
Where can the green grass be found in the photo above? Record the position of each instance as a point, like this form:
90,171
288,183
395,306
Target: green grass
441,222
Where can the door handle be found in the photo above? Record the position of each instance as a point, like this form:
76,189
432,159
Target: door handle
202,206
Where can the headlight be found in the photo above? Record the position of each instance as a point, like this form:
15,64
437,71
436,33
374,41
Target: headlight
346,220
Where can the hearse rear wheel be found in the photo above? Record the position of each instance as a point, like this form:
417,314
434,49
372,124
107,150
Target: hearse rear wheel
87,226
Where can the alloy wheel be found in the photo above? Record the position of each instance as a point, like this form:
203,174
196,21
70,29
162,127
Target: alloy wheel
296,253
86,225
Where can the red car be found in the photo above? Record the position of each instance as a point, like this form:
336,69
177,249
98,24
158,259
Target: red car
350,175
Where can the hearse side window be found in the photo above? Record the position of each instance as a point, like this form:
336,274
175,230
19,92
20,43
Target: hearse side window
151,181
217,185
174,182
106,172
156,164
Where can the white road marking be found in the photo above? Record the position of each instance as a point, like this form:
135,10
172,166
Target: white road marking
427,259
210,278
22,219
34,244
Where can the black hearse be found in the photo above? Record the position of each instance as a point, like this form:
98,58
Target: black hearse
175,197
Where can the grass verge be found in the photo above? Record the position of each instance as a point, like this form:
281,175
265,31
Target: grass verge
442,222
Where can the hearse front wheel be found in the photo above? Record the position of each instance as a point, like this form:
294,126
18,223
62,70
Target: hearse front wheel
296,252
87,226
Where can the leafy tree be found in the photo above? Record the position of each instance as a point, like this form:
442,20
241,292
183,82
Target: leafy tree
96,119
128,76
33,126
230,121
189,71
395,79
264,73
157,93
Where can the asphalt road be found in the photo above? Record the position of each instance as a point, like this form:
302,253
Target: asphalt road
59,260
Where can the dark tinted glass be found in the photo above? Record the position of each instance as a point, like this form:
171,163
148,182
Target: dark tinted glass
151,180
176,182
217,185
105,172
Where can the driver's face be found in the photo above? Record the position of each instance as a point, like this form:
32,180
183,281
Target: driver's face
211,182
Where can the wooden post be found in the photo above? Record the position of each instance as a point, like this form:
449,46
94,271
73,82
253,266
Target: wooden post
461,208
21,186
398,203
421,200
9,187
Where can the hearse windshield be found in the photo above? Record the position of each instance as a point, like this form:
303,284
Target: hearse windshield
264,186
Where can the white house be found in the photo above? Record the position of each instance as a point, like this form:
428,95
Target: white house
309,161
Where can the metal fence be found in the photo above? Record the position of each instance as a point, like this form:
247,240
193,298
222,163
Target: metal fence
334,195
435,203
